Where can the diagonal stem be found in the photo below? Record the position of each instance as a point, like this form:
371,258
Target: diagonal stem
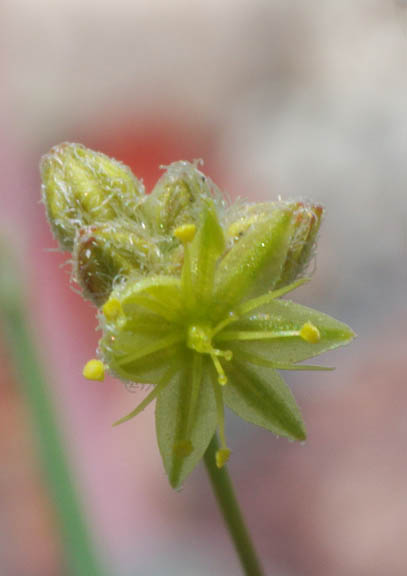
229,506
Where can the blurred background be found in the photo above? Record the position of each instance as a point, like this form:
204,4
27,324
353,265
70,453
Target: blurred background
298,99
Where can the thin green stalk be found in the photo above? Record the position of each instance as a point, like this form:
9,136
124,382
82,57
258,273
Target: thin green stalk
229,506
75,538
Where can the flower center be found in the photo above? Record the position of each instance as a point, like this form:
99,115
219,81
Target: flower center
199,338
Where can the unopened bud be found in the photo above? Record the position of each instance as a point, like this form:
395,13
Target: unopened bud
242,217
257,253
307,221
107,252
178,197
82,187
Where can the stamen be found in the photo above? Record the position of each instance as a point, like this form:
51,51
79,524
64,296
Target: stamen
269,297
222,378
308,332
199,339
233,317
94,370
222,455
251,335
226,354
185,233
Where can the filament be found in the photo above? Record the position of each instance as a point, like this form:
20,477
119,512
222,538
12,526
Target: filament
222,455
269,297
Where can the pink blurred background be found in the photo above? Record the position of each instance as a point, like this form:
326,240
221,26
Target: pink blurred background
302,100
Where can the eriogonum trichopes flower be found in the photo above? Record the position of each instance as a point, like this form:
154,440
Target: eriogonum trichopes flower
189,291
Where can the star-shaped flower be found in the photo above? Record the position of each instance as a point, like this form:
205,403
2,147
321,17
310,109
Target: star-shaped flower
189,294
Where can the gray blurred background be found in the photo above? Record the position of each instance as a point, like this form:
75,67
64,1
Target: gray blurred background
297,99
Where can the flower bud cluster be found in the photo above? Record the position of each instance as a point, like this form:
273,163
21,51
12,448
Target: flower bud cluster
98,210
189,294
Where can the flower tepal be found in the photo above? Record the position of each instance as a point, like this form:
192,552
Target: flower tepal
193,301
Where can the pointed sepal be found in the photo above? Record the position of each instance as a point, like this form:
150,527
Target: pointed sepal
260,396
255,262
139,338
286,332
185,423
206,248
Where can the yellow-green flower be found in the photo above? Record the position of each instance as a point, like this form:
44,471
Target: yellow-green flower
189,291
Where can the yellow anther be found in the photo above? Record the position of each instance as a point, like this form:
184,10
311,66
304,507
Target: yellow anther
310,333
185,233
221,457
112,309
222,379
183,448
94,370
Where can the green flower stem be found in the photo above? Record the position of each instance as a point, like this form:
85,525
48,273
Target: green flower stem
76,540
226,498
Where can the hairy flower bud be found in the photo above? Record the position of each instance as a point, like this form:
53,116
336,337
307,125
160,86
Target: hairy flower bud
259,239
246,221
241,217
307,221
178,197
107,252
81,187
